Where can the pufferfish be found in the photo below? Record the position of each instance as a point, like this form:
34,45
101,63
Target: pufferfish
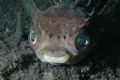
58,34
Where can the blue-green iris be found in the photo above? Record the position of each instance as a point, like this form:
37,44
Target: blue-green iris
81,41
33,37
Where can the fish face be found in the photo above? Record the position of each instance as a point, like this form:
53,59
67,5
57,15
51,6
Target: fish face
58,36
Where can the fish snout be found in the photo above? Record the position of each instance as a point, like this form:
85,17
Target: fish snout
53,54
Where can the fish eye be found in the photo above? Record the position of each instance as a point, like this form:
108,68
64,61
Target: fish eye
32,37
82,41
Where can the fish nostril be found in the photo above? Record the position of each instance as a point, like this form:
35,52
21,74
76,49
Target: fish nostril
50,34
58,36
64,37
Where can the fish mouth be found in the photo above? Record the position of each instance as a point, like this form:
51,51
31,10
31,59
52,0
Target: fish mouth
53,55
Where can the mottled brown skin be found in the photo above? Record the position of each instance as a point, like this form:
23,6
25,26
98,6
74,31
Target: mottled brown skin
56,29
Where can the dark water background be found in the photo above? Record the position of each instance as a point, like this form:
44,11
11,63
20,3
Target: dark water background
19,62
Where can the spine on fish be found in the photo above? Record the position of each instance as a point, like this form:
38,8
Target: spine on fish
31,7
